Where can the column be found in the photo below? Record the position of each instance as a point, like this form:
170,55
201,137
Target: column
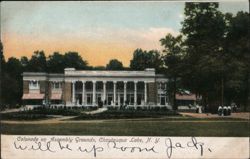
158,95
145,93
125,91
104,91
135,93
73,92
114,92
83,92
94,93
119,99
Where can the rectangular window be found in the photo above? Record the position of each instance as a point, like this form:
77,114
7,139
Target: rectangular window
57,85
89,99
163,86
33,85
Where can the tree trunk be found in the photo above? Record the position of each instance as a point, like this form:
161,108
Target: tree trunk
247,98
222,92
174,93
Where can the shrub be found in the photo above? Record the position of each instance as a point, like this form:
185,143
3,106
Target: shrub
59,111
127,113
22,116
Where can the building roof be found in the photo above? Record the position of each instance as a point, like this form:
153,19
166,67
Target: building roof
33,96
185,96
56,96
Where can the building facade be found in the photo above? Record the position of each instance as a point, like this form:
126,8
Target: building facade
88,88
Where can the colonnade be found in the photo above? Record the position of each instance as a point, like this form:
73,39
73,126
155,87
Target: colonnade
73,100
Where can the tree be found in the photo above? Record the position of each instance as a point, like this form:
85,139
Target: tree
73,59
99,68
146,59
237,49
37,63
204,30
56,63
114,64
172,60
12,83
2,74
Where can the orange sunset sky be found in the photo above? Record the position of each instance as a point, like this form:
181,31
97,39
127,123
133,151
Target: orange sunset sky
99,31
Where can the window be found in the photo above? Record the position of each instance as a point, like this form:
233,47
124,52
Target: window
161,86
162,99
33,85
57,85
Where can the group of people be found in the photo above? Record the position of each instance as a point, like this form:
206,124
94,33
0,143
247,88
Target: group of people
224,111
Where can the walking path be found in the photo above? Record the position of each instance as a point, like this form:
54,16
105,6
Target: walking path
241,115
100,110
11,110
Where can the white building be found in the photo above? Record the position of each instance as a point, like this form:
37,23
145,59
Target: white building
88,88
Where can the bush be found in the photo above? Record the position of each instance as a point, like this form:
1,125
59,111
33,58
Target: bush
60,111
22,116
127,113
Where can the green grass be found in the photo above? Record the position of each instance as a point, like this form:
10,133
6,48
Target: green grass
131,128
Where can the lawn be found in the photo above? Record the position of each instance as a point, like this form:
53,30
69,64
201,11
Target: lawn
159,127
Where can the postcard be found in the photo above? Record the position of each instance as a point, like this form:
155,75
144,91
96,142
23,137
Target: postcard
124,79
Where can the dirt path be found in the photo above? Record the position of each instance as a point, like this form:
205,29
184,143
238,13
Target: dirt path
11,110
203,115
100,110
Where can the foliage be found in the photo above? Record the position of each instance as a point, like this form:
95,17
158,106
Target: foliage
126,114
22,116
37,63
114,64
146,59
57,62
11,71
60,111
173,62
204,29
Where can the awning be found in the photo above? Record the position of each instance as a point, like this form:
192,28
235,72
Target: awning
56,96
33,96
185,97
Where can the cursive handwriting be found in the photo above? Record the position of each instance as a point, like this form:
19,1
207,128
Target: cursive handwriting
132,149
177,145
169,147
94,150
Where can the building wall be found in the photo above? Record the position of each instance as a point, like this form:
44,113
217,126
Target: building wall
42,86
25,87
152,93
49,89
66,92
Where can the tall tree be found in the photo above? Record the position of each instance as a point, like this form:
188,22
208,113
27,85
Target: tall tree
114,64
12,84
204,30
237,49
172,59
2,75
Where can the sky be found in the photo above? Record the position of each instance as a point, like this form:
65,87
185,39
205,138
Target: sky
98,31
